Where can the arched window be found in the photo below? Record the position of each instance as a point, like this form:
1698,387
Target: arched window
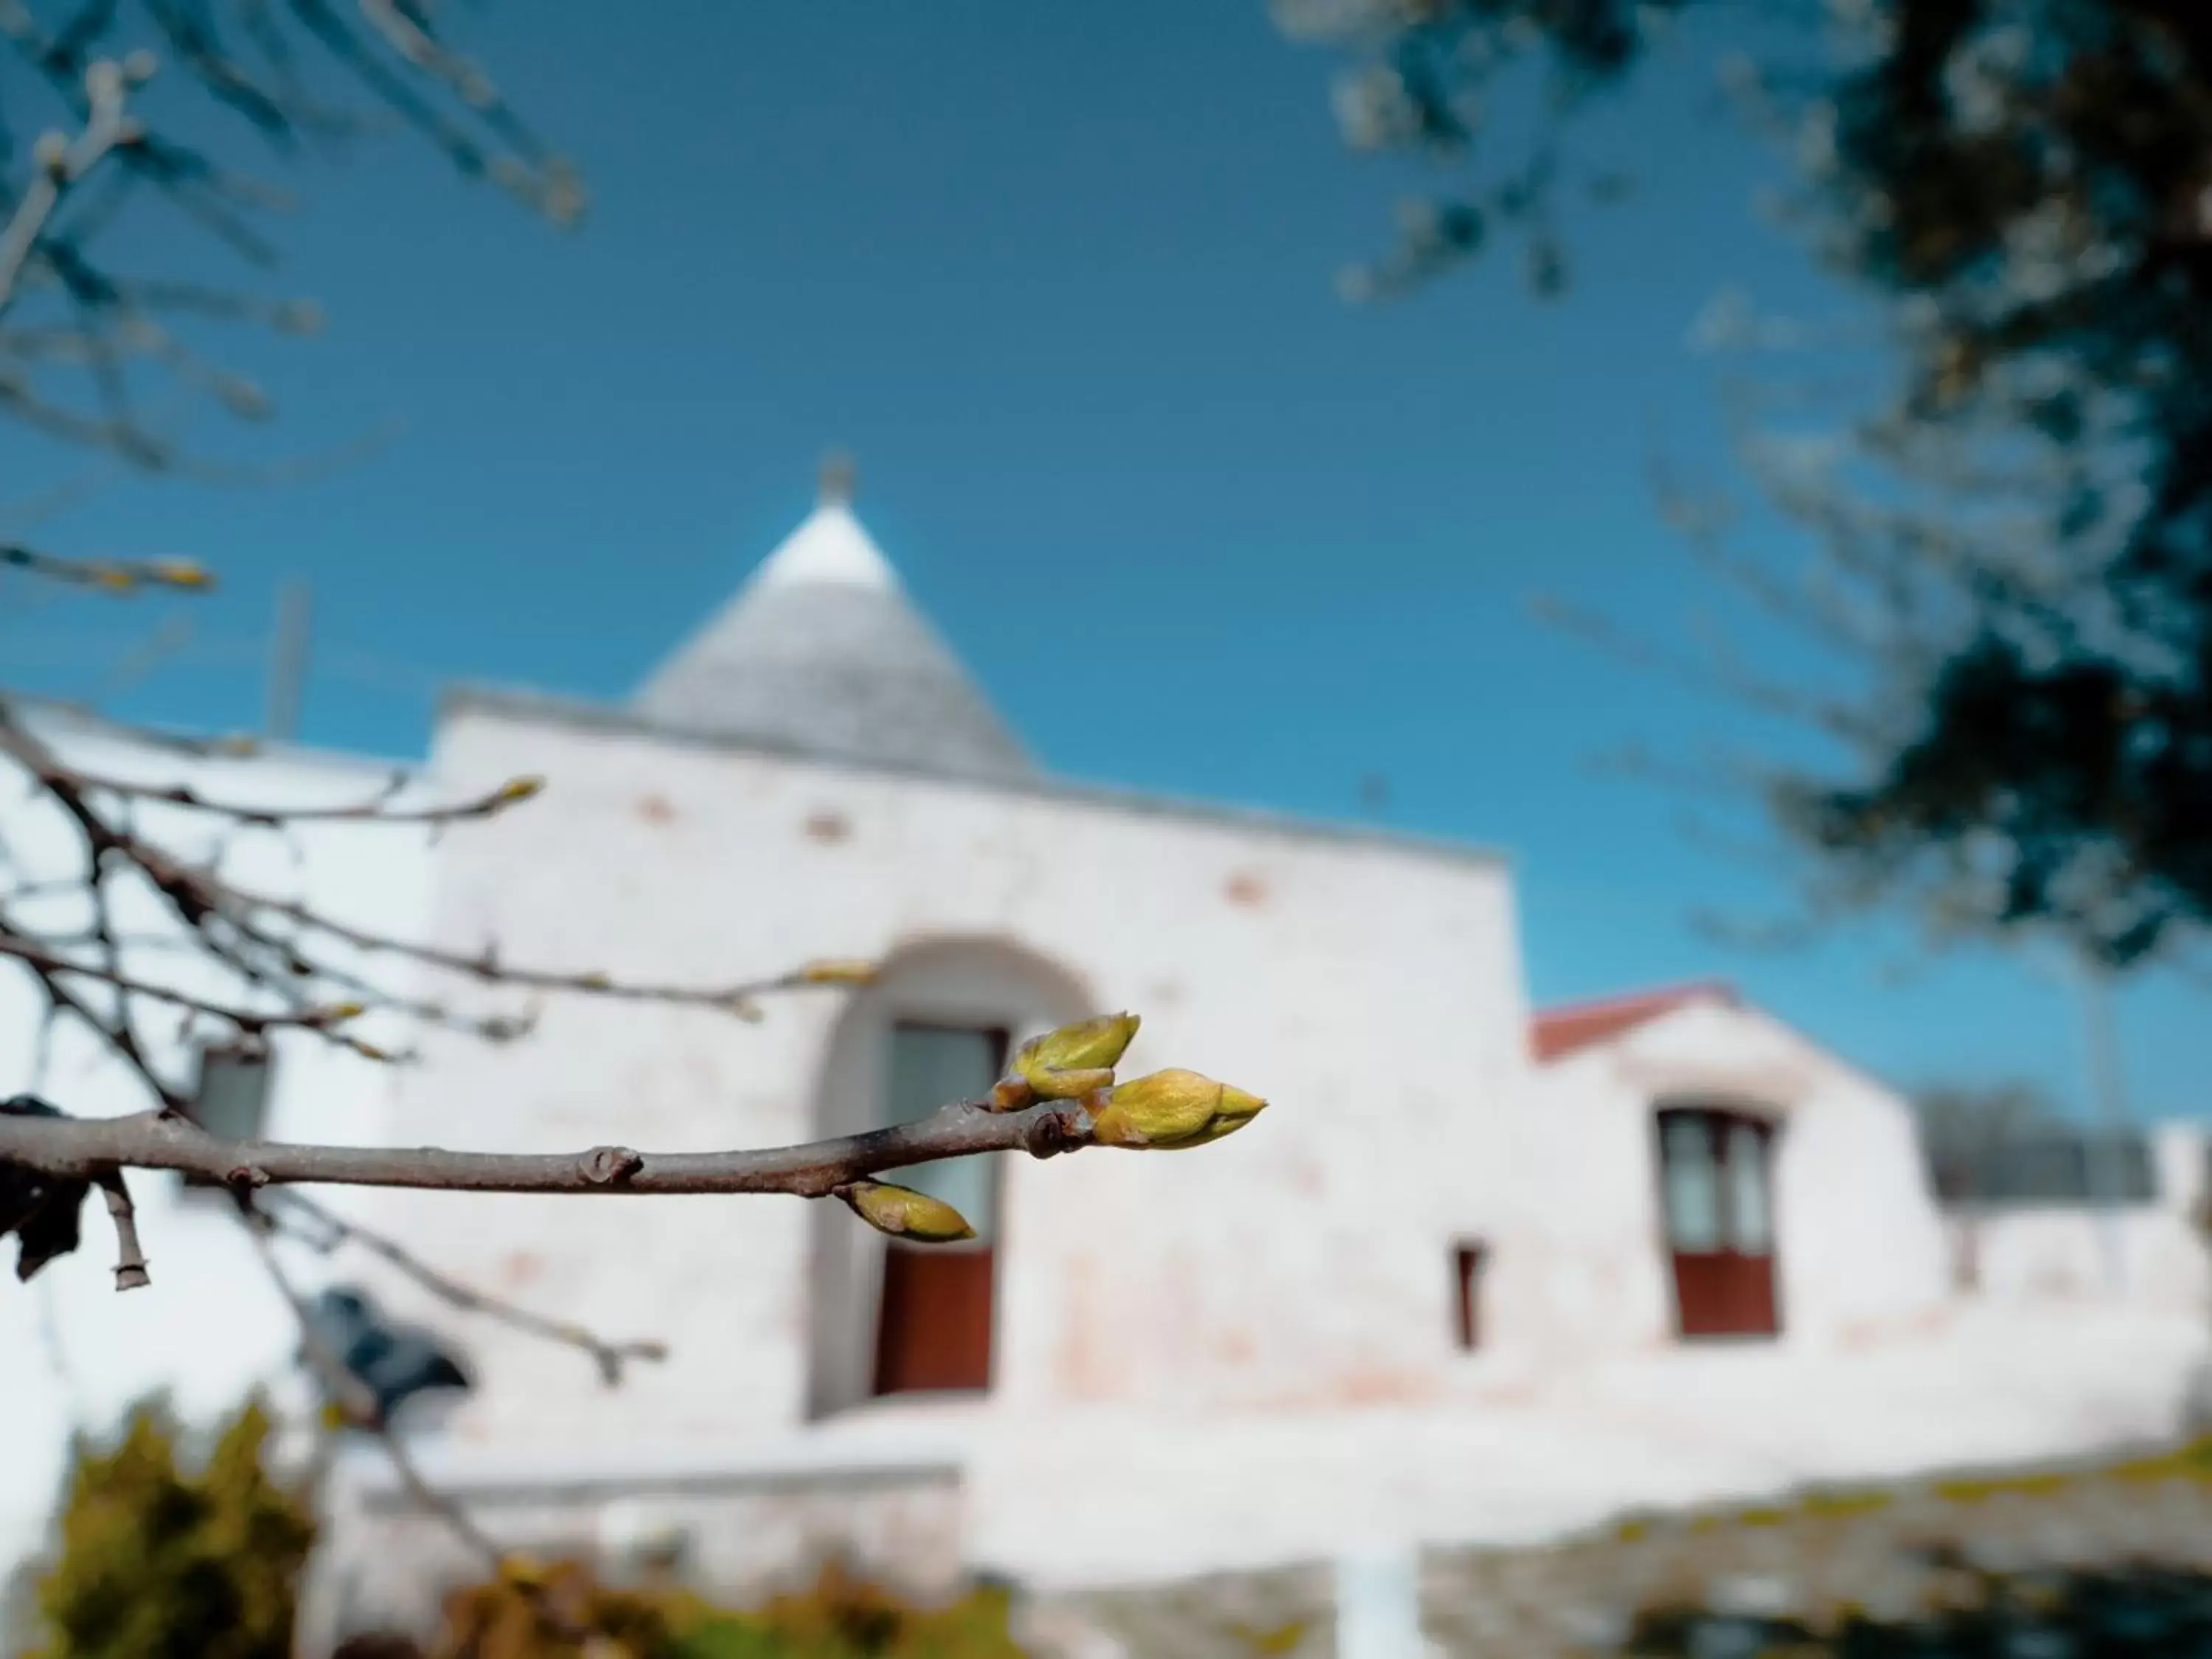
1717,1190
934,1315
936,1026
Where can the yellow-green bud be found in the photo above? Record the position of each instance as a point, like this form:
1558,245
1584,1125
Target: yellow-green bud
904,1213
1011,1094
525,1572
182,573
838,970
1172,1110
1076,1060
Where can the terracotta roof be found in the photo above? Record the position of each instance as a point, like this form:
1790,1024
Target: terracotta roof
1557,1032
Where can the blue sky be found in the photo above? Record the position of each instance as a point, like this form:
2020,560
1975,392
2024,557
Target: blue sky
1061,278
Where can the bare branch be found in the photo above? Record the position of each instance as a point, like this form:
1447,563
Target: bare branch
286,955
117,1035
378,809
50,225
62,164
130,1259
336,1230
84,1148
250,1021
357,1403
114,574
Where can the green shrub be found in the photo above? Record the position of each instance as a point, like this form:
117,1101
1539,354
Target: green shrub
159,1563
839,1616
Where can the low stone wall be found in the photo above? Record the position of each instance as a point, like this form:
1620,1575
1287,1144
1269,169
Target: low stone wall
386,1563
1287,1615
2057,1559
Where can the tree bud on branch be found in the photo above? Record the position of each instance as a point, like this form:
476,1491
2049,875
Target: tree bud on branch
1171,1109
838,970
1076,1060
181,573
904,1213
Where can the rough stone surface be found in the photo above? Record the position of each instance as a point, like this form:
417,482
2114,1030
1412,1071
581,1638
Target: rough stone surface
823,651
2111,1560
737,1539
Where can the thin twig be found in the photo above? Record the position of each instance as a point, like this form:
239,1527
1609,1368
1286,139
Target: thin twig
114,574
61,166
250,1021
357,1403
378,809
610,1357
130,1259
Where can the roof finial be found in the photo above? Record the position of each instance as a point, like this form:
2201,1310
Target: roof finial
838,477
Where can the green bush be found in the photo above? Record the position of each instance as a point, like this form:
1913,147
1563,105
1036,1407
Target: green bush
160,1562
839,1616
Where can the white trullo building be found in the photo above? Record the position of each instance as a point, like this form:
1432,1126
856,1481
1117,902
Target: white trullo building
1477,1273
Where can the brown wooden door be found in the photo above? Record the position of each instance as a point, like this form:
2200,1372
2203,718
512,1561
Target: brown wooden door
935,1331
933,1323
1716,1175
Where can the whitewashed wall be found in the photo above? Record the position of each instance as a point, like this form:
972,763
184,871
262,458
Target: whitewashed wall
1369,989
73,1352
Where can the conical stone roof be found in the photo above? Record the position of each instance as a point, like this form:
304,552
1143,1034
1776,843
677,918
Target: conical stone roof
822,651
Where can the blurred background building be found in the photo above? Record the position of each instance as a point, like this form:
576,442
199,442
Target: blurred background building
1484,1273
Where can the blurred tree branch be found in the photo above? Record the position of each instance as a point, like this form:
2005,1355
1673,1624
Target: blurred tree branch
293,1214
2013,546
68,313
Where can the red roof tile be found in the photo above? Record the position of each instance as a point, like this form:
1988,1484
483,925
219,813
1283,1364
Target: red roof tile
1557,1032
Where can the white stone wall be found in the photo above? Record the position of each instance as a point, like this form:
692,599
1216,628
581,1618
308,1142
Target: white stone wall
1372,992
73,1353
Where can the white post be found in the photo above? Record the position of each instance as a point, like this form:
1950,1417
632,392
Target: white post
2103,1054
287,662
1378,1603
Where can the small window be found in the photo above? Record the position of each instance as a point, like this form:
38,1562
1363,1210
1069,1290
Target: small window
1747,1189
931,1066
230,1100
1467,1259
1693,1183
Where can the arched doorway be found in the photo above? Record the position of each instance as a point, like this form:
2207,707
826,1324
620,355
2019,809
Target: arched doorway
1717,1188
938,1024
